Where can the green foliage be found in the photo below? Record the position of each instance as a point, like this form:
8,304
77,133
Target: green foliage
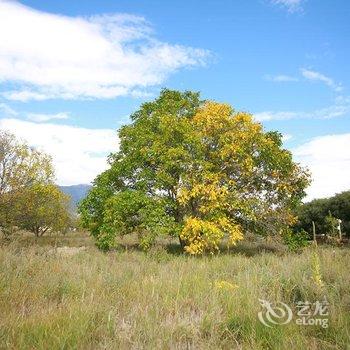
195,169
42,207
28,198
296,240
132,211
319,210
331,224
21,165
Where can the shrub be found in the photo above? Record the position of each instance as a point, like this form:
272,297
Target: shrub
296,240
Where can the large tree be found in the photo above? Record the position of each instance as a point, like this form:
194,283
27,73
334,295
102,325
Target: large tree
195,169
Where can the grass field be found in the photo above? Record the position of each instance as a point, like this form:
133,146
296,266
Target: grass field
162,300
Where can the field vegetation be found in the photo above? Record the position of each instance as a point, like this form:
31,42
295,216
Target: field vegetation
70,298
192,241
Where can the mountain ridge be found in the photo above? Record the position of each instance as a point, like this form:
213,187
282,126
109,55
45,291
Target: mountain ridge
76,192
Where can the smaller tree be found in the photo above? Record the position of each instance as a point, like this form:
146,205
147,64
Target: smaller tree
28,198
42,207
22,165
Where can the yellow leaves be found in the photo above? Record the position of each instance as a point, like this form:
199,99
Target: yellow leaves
205,236
219,119
200,236
207,196
239,165
183,196
284,187
291,219
274,174
234,230
213,115
208,193
316,270
225,285
248,165
22,165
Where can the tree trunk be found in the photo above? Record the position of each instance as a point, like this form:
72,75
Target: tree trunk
36,230
182,243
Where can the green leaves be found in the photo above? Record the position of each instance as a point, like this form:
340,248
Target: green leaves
138,193
132,211
198,170
42,207
28,198
21,165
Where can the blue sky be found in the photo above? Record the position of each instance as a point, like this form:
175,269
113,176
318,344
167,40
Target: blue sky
72,72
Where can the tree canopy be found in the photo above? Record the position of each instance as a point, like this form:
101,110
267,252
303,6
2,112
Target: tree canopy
29,199
320,211
42,207
194,169
21,165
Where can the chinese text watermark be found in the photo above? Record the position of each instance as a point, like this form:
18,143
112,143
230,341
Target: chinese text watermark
307,313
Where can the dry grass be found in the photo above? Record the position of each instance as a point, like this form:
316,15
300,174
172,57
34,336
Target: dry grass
161,300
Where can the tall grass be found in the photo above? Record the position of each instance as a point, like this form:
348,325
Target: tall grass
132,300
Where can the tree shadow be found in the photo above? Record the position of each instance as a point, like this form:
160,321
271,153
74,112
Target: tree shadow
167,245
174,248
251,249
245,248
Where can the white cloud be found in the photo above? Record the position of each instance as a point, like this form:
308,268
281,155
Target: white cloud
328,158
280,78
6,110
340,108
290,5
54,56
271,115
38,117
79,154
317,76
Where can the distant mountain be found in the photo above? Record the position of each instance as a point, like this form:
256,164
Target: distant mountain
76,192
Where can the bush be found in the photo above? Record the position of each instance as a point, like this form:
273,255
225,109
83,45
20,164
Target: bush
296,240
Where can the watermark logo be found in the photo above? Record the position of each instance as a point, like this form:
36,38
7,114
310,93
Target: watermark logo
277,314
307,313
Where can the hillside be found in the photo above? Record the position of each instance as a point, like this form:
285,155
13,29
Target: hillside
76,192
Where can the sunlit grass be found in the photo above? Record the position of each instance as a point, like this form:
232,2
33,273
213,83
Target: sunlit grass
161,300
